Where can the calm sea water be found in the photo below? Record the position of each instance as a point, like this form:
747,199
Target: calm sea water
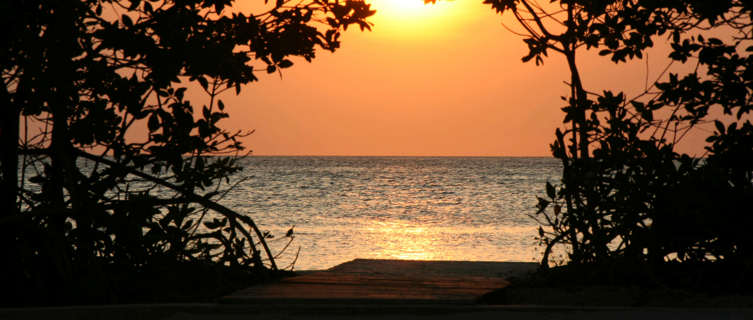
436,208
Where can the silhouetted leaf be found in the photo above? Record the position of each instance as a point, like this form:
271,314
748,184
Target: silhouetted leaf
203,82
127,21
153,122
719,126
550,192
290,232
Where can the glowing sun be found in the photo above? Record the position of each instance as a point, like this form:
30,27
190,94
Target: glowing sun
403,9
406,6
407,18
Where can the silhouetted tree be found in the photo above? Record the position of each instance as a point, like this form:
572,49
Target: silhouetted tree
118,171
628,198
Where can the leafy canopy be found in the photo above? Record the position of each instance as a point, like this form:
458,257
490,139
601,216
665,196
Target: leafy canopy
628,200
119,172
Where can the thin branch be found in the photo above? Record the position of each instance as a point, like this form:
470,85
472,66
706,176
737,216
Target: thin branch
189,195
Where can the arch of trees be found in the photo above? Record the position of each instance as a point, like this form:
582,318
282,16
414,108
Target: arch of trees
109,172
629,202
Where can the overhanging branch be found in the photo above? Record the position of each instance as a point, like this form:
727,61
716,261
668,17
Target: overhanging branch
192,197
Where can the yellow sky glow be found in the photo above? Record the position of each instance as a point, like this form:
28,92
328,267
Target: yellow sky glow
444,79
400,7
414,18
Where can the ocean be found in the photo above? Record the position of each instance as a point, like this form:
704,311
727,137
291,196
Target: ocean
426,208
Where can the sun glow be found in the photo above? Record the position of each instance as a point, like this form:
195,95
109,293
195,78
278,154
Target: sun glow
411,15
401,240
401,7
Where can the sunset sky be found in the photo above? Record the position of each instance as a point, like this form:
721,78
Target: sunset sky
442,79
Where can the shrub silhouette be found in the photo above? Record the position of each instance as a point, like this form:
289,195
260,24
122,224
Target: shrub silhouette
109,186
629,203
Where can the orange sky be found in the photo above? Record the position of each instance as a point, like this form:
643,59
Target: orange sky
435,80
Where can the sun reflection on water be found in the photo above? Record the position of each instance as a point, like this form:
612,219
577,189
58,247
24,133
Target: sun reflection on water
402,240
395,208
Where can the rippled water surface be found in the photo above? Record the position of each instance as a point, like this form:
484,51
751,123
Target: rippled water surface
444,208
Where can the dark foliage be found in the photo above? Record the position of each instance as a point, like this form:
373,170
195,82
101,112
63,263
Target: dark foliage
630,204
109,173
686,285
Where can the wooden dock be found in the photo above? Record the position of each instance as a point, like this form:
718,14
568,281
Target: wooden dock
388,281
376,290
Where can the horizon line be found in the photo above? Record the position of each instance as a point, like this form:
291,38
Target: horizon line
396,155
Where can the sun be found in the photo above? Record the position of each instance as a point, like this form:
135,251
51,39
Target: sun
410,14
400,6
404,9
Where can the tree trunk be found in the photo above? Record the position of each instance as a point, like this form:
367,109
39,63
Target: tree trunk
579,94
11,272
9,151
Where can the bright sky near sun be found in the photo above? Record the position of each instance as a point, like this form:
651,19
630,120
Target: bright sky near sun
408,16
442,79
